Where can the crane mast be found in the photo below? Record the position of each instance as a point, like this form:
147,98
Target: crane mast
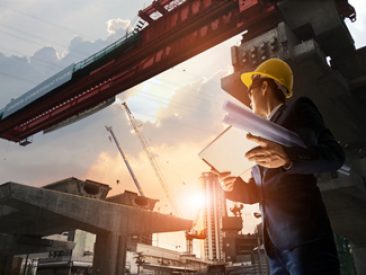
110,130
150,156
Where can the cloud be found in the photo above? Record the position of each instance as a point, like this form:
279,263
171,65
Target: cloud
117,24
358,28
19,74
193,114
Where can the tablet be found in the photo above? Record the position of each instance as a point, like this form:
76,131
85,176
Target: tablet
227,152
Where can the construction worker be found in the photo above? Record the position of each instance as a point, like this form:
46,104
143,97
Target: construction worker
297,234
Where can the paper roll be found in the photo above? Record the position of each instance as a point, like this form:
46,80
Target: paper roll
246,120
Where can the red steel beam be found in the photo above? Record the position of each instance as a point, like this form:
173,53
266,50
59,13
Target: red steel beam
180,34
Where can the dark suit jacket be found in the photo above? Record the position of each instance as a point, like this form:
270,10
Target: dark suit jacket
292,208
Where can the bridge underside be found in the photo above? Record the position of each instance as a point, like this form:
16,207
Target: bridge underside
29,213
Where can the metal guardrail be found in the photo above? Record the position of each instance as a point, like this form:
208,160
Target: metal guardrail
124,40
39,91
107,50
62,77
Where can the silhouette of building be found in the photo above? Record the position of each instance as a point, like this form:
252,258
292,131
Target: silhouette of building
212,217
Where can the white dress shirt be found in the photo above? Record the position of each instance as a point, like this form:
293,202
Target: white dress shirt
274,111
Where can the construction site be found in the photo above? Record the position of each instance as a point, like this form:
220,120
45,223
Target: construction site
80,226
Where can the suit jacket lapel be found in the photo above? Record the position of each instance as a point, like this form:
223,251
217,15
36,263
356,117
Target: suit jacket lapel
279,113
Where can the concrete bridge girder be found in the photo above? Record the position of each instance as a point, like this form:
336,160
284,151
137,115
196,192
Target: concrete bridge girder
55,211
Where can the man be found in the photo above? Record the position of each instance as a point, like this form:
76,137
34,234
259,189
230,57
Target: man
297,235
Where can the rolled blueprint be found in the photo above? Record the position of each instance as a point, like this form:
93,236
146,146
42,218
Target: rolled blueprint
245,119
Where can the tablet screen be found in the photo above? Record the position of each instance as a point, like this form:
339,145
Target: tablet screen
227,152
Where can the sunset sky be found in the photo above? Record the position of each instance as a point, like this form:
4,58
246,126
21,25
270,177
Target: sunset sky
179,111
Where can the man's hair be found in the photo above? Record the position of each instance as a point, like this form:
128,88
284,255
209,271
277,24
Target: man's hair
277,92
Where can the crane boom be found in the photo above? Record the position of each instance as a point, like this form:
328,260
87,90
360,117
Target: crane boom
150,156
110,130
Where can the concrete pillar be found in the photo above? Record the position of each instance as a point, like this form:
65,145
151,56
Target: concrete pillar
359,258
110,254
6,264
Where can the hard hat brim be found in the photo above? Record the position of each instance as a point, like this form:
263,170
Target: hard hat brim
247,79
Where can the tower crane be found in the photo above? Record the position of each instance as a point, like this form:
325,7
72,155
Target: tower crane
190,234
138,186
150,156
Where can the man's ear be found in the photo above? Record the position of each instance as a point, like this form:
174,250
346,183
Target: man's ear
264,87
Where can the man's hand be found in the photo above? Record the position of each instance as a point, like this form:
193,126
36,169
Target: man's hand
268,154
226,180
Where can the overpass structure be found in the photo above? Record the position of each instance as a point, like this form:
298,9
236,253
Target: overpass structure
310,35
27,214
175,31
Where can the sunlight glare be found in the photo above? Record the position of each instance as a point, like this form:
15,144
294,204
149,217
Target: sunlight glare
193,202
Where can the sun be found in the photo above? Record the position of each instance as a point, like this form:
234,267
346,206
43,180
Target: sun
196,200
192,201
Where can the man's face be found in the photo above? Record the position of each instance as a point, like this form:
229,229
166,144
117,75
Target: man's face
257,95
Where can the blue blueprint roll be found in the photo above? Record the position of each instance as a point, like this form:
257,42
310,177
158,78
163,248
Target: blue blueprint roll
245,119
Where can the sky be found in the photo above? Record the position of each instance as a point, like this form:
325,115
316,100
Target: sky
179,111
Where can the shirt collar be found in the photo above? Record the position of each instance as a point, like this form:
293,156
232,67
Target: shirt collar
274,111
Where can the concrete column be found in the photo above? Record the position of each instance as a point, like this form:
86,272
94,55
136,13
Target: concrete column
6,264
359,258
110,254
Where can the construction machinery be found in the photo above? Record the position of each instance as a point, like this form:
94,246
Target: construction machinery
148,152
190,234
150,156
124,157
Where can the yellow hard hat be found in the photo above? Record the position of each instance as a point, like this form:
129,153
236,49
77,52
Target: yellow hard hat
275,69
